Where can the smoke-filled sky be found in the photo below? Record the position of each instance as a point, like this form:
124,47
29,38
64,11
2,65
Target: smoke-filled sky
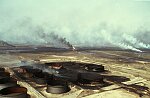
90,23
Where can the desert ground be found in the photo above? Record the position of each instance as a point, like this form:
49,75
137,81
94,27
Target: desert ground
130,64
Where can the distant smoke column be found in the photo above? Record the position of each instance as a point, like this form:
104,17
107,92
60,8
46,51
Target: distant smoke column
61,40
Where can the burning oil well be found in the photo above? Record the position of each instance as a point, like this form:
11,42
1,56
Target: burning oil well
97,28
41,29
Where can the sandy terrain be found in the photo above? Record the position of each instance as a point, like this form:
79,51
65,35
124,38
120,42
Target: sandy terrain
123,63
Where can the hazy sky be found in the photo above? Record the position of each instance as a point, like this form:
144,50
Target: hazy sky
87,22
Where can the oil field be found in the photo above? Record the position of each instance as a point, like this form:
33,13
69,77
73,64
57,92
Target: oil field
87,73
74,49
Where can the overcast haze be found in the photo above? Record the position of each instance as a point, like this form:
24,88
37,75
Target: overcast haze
90,23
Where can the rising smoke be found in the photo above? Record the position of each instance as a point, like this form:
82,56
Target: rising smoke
88,23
